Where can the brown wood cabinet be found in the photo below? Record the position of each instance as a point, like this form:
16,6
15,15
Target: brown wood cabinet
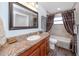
35,53
39,49
43,49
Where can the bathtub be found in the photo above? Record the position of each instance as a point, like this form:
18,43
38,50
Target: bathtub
63,42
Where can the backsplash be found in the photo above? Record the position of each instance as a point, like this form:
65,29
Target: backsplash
2,40
24,36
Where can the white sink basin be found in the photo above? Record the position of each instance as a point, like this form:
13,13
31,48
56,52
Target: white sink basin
33,37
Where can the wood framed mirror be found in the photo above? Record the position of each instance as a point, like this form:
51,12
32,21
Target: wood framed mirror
21,17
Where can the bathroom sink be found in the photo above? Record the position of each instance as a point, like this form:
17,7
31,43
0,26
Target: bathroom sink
33,37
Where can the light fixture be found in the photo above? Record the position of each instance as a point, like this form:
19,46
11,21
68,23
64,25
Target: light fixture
58,9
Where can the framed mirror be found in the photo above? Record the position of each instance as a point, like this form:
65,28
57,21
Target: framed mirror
21,17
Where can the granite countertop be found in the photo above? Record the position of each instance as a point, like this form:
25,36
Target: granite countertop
20,46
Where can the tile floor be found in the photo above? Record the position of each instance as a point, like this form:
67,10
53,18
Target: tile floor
60,52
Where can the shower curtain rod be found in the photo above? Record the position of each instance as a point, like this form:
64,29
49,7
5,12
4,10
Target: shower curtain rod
62,11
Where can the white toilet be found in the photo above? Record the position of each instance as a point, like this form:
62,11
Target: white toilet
52,42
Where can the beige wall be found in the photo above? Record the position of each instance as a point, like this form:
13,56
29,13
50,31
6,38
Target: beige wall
59,30
77,23
77,13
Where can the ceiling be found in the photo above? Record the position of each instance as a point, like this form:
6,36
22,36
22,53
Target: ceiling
53,7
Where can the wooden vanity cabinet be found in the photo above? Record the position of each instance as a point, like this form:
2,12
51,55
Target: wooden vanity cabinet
39,49
47,47
35,53
43,49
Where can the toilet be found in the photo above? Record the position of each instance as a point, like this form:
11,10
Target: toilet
52,42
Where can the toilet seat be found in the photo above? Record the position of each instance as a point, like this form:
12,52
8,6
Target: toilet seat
52,41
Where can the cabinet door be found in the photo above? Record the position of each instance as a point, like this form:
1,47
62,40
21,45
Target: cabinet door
36,52
43,49
47,47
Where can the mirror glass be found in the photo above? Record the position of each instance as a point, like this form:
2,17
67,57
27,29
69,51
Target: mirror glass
22,17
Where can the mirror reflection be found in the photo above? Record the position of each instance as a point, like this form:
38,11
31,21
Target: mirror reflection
22,17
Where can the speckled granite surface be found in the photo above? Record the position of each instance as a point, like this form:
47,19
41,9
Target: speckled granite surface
20,46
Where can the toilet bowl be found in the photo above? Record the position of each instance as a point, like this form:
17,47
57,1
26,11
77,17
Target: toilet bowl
52,43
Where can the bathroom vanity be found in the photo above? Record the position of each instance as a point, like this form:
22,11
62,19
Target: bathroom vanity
39,49
24,47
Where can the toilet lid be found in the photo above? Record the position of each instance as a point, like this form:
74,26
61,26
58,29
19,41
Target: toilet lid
53,40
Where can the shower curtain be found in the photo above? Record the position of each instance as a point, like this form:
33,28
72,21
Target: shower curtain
49,22
69,22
